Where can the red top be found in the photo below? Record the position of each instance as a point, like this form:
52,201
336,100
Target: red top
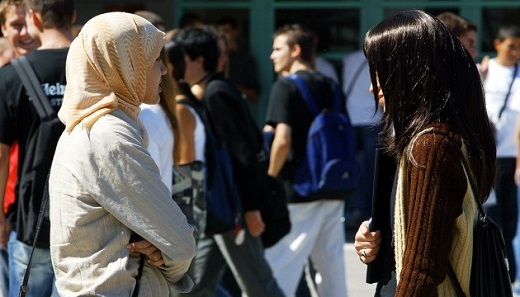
13,175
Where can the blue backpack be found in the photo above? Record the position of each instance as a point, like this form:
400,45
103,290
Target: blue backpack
329,165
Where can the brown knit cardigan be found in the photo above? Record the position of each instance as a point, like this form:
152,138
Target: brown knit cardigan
434,217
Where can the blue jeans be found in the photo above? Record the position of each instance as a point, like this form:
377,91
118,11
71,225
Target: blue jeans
41,280
4,273
516,241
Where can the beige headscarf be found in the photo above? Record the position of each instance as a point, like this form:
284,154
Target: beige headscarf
107,66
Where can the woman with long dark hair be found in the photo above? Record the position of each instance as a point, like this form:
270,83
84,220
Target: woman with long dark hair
433,107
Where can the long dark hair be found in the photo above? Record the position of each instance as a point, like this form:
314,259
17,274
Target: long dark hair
428,77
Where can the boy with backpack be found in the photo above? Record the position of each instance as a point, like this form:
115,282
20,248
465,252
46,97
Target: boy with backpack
225,113
317,167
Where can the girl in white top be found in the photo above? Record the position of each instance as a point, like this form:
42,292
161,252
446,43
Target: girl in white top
160,139
192,133
161,123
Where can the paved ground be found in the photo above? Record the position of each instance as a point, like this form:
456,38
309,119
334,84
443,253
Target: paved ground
356,270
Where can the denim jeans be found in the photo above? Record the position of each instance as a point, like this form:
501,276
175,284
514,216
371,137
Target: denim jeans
41,280
516,245
4,273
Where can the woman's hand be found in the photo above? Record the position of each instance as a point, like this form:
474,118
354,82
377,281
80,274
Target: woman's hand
367,243
144,247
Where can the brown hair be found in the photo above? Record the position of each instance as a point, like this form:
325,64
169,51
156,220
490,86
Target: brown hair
298,35
456,24
167,102
56,14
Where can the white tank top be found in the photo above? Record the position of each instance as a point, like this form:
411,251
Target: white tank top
199,136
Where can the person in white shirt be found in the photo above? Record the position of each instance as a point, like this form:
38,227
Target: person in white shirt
161,124
502,87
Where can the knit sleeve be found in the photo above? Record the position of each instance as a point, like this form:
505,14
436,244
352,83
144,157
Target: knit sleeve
437,185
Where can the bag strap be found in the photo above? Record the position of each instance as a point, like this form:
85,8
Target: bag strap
451,272
139,276
309,100
508,92
458,289
32,85
45,199
306,93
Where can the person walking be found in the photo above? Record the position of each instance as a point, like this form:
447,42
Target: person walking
323,236
502,89
226,115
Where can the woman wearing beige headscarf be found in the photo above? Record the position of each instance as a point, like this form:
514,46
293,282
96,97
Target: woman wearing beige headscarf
104,186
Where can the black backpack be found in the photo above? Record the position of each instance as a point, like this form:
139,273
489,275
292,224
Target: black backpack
38,159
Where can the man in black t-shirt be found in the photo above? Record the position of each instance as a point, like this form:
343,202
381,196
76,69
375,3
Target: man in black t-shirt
51,24
317,229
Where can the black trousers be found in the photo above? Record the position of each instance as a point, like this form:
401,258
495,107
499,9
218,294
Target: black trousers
505,212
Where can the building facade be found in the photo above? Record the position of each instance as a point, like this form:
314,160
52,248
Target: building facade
340,24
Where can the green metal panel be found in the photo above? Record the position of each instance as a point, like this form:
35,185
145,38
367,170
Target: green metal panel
262,28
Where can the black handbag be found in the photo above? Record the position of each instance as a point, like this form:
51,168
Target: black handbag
274,212
489,267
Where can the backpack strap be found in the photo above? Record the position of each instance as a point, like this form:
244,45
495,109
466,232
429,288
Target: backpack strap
45,200
309,100
32,85
189,102
306,93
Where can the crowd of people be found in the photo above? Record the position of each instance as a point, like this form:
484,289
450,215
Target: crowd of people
133,105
